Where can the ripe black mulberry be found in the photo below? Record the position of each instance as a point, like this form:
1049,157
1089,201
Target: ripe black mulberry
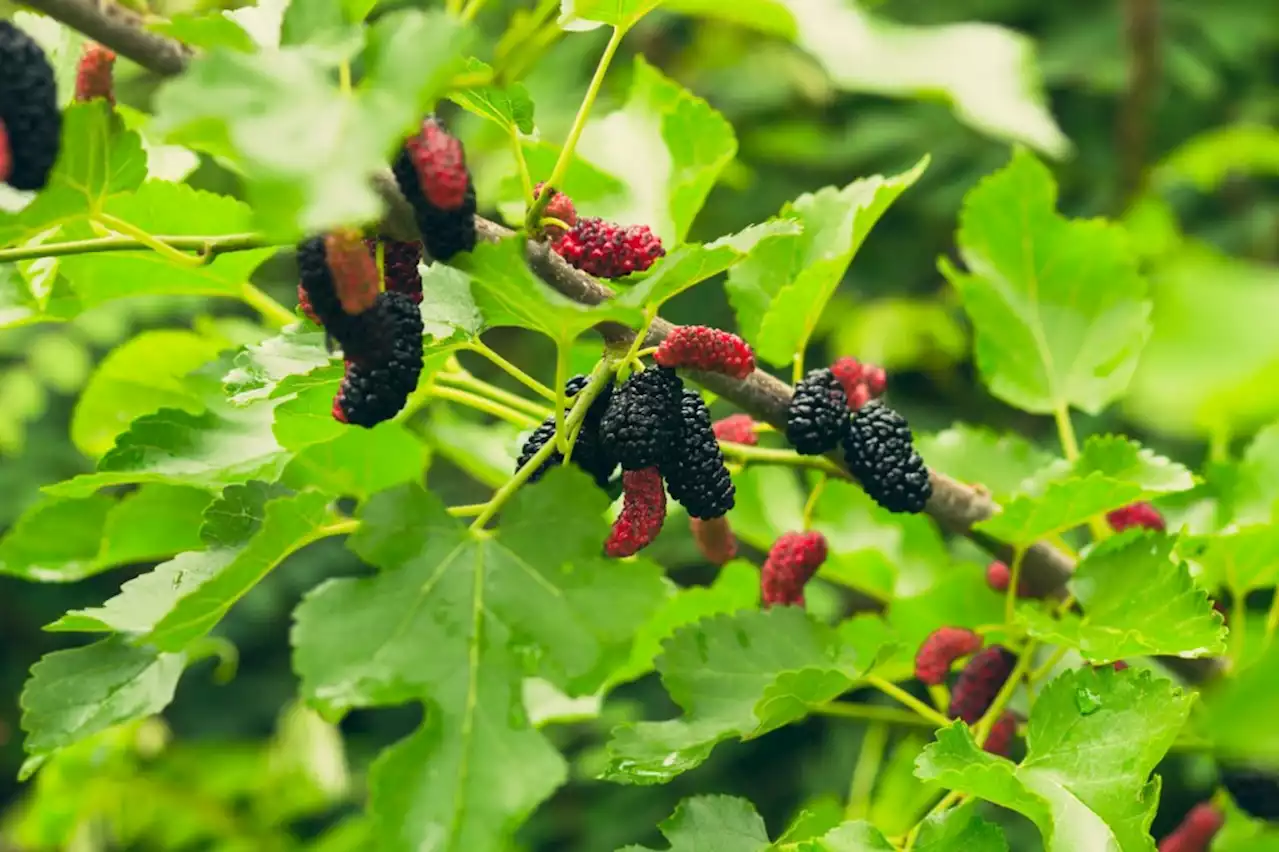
696,475
879,452
817,417
589,453
30,122
641,425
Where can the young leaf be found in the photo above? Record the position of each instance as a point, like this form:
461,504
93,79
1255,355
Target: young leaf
258,370
779,292
1135,601
1062,505
1119,459
580,15
359,462
1059,309
447,621
1095,736
448,307
667,144
959,828
75,693
712,824
741,675
975,454
508,106
236,515
204,32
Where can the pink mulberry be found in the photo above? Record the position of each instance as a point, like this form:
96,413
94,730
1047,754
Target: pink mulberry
793,560
644,508
940,649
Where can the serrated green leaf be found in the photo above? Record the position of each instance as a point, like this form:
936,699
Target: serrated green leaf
75,693
1135,601
1240,712
447,622
1063,505
1059,309
236,515
975,454
204,32
740,675
359,462
447,305
258,370
67,539
712,824
138,377
1119,459
509,294
1242,559
173,209
1094,737
508,106
667,144
588,14
959,828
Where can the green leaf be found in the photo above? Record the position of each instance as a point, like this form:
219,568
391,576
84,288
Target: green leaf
740,675
237,514
1122,460
1208,158
359,462
64,540
315,20
588,14
297,355
509,294
780,291
670,146
712,824
172,209
137,378
1135,601
1062,505
1242,559
1059,310
1256,484
204,32
447,305
975,454
1240,712
508,106
210,450
959,828
75,693
1094,737
451,620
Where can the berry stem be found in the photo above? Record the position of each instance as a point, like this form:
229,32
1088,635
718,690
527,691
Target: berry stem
902,696
1046,668
766,455
870,756
466,381
797,367
344,77
983,727
145,239
811,503
207,246
472,8
575,132
602,374
479,403
637,342
562,376
873,712
480,348
1071,449
273,313
554,222
467,510
522,166
1015,578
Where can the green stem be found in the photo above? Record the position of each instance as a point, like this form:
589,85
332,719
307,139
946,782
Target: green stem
275,314
637,342
552,221
344,77
575,132
517,148
812,502
797,367
159,247
467,510
902,696
1239,612
346,526
471,80
488,406
466,381
873,713
1046,668
562,377
983,728
1015,577
480,348
866,769
599,376
469,13
206,246
1071,449
766,455
1273,616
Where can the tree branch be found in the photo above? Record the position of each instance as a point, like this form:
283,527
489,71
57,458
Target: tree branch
955,506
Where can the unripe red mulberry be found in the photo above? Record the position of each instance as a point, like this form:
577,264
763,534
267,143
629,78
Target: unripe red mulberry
1001,735
644,508
793,560
559,206
736,429
432,175
715,539
1136,515
608,250
701,348
861,382
93,74
355,276
29,113
998,577
440,164
940,649
1196,831
979,682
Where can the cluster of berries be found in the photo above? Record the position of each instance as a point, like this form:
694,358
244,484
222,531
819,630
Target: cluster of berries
380,331
861,382
30,123
596,246
877,441
978,683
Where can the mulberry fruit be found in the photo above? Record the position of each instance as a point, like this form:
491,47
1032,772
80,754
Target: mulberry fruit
715,539
1196,831
702,348
817,417
354,273
641,425
589,452
93,74
559,206
979,682
1254,790
736,429
399,265
1001,735
861,382
304,305
433,177
608,250
998,577
1136,515
695,472
940,649
879,452
316,283
793,560
644,507
29,115
384,367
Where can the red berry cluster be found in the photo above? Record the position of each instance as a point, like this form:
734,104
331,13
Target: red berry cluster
608,250
1136,515
1196,831
714,538
701,348
940,649
736,429
644,508
861,382
793,560
93,74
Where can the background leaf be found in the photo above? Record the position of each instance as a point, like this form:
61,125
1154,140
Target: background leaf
974,454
